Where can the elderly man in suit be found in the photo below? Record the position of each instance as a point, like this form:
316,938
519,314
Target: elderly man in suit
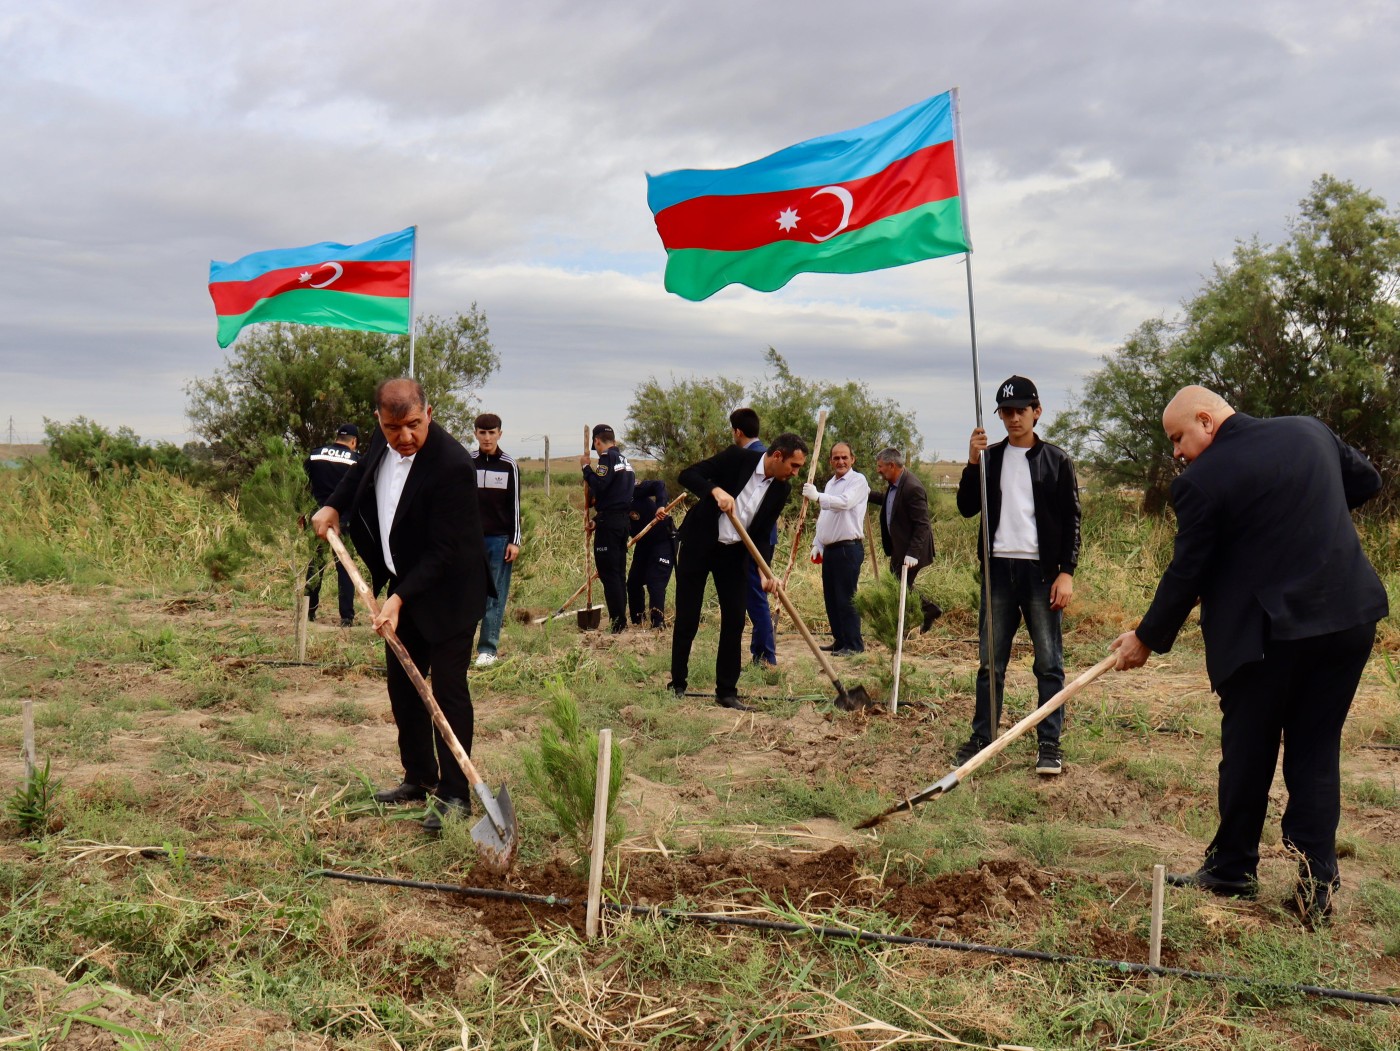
754,485
412,508
905,532
1289,605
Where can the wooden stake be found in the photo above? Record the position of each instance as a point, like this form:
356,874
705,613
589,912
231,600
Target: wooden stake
870,536
31,763
802,510
1154,948
600,833
546,466
303,608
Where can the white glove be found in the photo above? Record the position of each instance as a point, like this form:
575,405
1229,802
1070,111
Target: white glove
910,561
811,492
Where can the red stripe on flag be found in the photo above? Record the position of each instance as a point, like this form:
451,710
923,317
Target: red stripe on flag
812,213
388,278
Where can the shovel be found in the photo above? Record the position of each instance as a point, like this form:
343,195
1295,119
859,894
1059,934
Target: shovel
952,779
848,700
563,611
494,835
802,511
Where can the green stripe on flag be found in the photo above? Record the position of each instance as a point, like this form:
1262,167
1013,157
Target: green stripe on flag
926,232
318,306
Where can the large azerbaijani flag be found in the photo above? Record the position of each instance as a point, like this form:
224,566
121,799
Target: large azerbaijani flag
877,196
367,286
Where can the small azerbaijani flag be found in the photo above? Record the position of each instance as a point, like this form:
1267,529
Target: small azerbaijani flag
874,197
367,286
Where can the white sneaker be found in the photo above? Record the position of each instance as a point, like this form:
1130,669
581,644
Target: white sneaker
485,660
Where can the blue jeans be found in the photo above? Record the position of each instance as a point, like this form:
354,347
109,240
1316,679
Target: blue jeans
841,566
761,645
500,571
1020,590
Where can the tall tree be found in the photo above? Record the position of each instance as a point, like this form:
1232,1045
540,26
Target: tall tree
689,420
1311,327
297,383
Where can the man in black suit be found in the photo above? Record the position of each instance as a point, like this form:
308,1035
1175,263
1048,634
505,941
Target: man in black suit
412,508
754,485
1289,606
905,532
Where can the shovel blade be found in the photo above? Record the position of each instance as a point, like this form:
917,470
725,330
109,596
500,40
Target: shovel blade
589,619
495,834
853,699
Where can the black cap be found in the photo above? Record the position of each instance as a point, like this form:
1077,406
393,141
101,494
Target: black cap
602,430
347,430
1017,393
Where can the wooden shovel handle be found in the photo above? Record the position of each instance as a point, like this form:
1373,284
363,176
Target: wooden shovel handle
424,690
802,511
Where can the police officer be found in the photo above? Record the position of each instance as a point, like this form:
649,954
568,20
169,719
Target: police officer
653,555
610,486
324,469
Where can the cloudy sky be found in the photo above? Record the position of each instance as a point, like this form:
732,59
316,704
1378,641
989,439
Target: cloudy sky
1114,150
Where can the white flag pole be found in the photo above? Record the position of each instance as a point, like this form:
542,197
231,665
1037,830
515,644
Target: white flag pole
987,658
412,278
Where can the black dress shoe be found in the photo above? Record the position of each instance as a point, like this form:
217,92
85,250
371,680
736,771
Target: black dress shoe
846,652
827,649
1204,879
404,793
678,688
731,700
932,611
443,809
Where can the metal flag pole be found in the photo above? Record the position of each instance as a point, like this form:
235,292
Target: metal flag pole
412,318
987,658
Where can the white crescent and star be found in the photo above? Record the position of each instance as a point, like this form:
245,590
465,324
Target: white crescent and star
306,275
788,217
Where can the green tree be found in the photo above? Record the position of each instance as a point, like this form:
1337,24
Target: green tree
689,420
1311,327
787,402
91,446
297,383
682,423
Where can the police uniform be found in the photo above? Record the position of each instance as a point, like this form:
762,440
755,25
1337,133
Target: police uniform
611,482
652,556
325,467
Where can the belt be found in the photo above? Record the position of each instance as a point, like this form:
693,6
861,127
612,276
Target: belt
841,543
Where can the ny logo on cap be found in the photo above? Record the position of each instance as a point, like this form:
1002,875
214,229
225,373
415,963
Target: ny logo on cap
1008,390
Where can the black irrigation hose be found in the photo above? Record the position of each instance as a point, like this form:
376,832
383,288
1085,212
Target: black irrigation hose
719,919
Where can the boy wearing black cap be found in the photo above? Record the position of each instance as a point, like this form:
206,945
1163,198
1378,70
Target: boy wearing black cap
325,467
1033,520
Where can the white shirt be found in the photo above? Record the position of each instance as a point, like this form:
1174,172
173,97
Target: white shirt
842,509
1016,536
388,487
745,505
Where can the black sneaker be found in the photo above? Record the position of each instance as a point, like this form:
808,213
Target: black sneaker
974,744
1049,761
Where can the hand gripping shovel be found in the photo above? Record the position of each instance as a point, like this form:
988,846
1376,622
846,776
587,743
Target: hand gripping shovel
952,779
494,835
846,700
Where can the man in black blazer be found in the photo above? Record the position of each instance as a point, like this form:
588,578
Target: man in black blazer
754,485
905,532
412,510
1289,605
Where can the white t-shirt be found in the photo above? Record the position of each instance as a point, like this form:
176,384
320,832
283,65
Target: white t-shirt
1016,536
746,505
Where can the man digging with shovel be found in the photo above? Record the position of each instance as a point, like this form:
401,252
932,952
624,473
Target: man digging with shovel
412,510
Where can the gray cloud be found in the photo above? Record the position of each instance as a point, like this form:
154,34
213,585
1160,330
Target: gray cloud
1114,152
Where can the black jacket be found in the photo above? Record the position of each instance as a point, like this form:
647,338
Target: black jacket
436,536
908,532
611,482
1265,541
326,466
1054,492
729,470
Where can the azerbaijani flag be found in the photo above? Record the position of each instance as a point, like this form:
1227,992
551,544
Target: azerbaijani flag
878,196
365,286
